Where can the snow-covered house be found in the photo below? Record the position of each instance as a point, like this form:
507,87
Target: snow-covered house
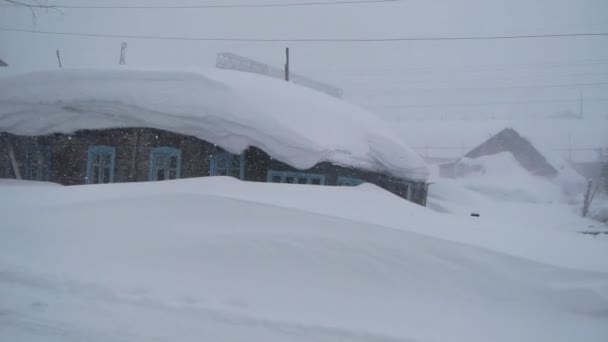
125,125
507,140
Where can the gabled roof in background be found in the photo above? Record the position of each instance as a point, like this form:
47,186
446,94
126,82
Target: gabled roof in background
508,140
3,63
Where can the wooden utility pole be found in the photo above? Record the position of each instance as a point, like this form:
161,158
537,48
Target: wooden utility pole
59,59
580,109
569,147
123,52
287,64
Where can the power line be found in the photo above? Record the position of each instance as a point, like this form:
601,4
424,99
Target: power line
477,74
410,69
496,88
295,4
309,40
483,104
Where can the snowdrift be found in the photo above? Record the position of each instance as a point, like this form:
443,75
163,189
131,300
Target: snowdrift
234,110
223,260
502,177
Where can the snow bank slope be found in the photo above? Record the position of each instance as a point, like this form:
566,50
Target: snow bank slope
503,178
166,261
234,110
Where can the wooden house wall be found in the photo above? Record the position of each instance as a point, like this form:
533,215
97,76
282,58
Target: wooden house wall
258,163
6,170
195,152
69,153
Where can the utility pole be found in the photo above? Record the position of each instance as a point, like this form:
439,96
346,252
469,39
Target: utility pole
287,64
123,51
580,109
569,147
59,59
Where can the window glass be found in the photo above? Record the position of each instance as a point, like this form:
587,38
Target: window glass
349,181
100,164
227,164
38,163
295,177
165,163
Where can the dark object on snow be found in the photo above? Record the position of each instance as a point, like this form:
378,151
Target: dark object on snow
3,64
474,214
594,233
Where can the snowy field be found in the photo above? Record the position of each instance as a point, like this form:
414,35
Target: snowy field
217,259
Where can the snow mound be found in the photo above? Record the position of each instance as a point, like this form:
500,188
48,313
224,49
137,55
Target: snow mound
570,181
231,109
501,177
599,209
223,260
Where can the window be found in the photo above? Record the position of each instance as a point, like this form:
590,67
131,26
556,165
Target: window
418,193
165,163
38,163
295,177
399,188
100,164
227,164
349,181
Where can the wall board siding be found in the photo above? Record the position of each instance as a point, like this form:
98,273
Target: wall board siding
69,153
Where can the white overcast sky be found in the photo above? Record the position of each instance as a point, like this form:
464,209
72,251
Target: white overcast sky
398,80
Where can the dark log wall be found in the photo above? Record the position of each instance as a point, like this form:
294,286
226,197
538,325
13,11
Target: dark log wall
69,153
6,170
195,152
258,163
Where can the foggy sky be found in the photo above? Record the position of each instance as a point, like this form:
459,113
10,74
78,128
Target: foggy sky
397,80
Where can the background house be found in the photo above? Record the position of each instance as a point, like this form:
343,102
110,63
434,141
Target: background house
507,140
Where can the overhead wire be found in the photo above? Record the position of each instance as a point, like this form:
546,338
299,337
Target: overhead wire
533,86
398,106
309,40
258,5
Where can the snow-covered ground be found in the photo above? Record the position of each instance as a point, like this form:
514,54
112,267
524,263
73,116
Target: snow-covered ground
223,260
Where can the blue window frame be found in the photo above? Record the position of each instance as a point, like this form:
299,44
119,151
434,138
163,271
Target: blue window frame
400,188
100,164
227,164
295,177
349,181
165,163
38,163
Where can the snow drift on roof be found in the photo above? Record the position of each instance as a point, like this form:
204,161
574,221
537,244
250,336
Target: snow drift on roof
233,110
503,150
